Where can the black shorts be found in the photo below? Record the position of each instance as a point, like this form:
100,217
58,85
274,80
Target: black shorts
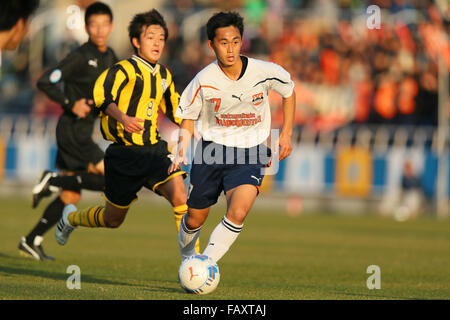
236,166
129,168
76,149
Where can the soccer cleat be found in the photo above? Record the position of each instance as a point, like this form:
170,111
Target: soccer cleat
32,250
63,227
43,188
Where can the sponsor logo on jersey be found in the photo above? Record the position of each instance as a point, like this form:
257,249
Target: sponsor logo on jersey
238,120
257,99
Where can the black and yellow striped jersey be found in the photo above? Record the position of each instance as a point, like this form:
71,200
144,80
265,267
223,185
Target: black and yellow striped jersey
139,90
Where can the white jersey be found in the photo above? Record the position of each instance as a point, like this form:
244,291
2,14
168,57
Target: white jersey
234,113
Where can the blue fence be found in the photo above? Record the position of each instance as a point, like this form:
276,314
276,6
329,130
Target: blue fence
351,161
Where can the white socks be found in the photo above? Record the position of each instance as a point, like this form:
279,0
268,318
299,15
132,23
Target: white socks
187,239
221,239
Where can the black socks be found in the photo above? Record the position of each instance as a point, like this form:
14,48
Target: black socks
51,215
82,180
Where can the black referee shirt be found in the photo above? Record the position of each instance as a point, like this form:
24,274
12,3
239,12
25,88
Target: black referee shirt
78,72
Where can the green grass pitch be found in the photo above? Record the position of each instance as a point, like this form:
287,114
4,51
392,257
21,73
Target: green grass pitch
314,256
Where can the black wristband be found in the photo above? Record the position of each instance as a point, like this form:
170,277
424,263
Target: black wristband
67,105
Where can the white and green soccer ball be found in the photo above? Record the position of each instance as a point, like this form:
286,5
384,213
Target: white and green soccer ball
199,274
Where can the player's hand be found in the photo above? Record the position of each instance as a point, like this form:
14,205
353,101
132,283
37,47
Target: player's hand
81,108
132,124
176,163
284,144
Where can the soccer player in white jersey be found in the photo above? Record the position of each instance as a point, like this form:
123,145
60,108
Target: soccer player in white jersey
229,101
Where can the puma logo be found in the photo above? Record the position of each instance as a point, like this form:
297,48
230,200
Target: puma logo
192,273
257,179
93,63
236,97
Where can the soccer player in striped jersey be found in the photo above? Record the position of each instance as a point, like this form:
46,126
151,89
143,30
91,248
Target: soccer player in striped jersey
229,101
128,96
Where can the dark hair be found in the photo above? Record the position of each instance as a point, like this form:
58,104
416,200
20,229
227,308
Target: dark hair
12,10
224,19
144,20
97,8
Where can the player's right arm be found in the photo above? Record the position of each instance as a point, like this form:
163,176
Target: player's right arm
50,81
189,108
130,124
184,138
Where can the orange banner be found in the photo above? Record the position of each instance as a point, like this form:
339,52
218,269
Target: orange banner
353,172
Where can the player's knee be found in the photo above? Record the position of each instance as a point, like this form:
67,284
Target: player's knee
193,223
112,223
178,199
114,216
174,191
237,215
70,197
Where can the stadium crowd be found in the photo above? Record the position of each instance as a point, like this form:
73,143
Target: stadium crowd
344,71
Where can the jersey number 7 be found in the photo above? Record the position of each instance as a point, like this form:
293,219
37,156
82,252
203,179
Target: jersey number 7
217,101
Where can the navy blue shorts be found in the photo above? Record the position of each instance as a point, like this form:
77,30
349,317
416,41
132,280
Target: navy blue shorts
216,168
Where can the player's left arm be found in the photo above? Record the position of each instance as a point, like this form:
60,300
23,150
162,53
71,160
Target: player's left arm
281,82
285,139
169,104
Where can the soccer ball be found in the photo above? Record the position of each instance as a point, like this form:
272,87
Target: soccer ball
199,274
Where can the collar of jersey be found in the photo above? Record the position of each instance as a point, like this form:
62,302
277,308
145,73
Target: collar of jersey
240,76
94,47
147,65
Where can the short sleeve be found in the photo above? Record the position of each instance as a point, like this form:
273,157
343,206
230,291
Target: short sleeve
191,101
108,86
170,100
280,80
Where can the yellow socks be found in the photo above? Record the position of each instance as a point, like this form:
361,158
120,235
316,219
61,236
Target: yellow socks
178,213
91,217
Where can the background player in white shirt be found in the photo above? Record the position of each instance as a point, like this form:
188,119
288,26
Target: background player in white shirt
229,101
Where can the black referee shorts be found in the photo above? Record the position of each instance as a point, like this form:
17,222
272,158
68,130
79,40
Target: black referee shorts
129,168
76,149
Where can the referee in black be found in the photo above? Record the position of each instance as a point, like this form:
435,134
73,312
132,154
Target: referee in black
79,159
